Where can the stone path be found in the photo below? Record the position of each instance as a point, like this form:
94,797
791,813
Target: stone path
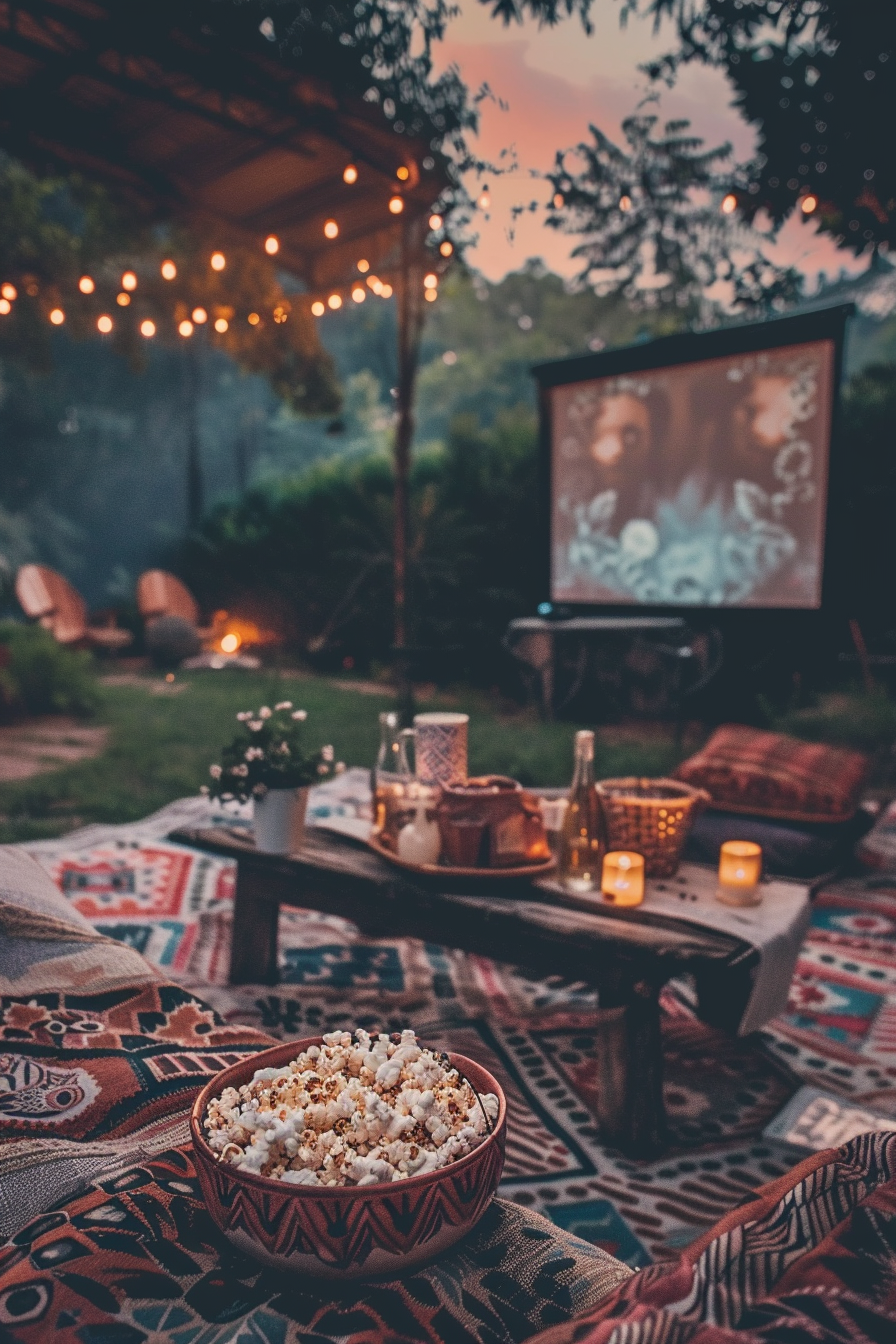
38,745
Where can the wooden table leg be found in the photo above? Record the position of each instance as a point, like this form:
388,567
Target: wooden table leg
256,915
631,1114
722,995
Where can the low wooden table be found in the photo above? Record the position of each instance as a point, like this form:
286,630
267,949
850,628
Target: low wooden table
626,955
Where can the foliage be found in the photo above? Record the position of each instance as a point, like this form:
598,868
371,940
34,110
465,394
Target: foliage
43,677
269,752
652,225
817,78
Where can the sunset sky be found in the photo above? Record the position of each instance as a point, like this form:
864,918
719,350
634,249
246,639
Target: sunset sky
556,81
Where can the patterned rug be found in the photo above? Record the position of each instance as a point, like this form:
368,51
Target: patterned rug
174,906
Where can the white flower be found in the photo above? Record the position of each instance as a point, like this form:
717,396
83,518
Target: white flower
215,771
283,749
284,704
204,790
639,539
255,754
339,768
255,725
326,753
323,769
260,790
264,712
300,714
243,715
241,770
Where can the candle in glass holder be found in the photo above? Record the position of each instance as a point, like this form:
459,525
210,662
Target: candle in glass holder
740,868
622,882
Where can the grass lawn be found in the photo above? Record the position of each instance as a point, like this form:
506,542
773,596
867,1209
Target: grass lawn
162,739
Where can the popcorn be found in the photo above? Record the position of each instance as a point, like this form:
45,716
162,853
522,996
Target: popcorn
351,1112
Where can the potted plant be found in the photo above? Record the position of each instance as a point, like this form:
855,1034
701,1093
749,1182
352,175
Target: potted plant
268,762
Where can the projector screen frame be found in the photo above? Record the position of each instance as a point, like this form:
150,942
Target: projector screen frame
825,324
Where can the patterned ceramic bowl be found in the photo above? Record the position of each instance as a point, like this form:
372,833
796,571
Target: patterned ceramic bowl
347,1231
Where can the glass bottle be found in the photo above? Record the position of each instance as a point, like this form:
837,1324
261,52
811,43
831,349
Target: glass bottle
583,839
391,782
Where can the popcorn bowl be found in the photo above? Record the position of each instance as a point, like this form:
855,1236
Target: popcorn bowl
347,1231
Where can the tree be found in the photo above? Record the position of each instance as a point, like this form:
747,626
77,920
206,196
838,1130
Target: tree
656,221
817,78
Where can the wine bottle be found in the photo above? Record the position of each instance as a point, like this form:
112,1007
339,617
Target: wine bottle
583,839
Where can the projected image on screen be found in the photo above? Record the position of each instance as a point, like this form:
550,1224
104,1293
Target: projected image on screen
699,484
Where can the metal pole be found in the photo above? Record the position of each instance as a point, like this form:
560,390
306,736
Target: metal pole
410,322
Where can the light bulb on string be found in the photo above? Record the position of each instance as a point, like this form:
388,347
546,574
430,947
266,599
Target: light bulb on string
558,201
350,174
446,248
331,229
396,205
363,266
402,173
625,203
272,245
185,328
729,204
253,319
199,315
484,200
281,313
86,285
57,317
147,328
435,221
375,283
386,292
221,325
430,281
123,299
104,323
129,280
218,261
809,204
430,295
9,292
318,308
359,293
169,270
334,301
5,306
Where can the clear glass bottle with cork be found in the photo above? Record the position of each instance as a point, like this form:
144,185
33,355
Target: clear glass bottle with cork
583,839
391,782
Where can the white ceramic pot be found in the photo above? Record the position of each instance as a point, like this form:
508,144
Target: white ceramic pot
279,820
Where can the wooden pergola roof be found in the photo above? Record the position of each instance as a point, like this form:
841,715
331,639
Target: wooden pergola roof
183,118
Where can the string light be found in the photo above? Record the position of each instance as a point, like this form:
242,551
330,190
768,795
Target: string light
147,328
334,301
625,203
9,292
199,315
5,306
375,283
218,261
430,295
808,204
446,248
86,285
123,299
318,308
435,221
430,281
359,294
386,292
331,229
281,313
402,173
729,204
484,200
363,266
253,319
105,324
558,200
57,317
396,205
272,245
129,280
221,325
186,327
350,174
169,270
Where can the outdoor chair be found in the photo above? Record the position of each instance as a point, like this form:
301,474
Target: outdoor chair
50,599
160,594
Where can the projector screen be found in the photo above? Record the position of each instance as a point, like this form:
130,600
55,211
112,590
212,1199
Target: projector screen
694,484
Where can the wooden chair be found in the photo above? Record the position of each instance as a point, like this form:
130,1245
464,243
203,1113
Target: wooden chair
162,594
50,599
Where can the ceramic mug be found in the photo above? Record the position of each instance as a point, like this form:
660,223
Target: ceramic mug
440,748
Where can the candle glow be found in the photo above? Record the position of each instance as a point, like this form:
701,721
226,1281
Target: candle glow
740,868
622,881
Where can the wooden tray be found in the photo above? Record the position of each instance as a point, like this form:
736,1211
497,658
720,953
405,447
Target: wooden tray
532,870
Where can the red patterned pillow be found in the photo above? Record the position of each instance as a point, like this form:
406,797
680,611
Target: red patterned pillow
770,775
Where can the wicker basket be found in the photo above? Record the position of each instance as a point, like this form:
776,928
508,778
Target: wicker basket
652,817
